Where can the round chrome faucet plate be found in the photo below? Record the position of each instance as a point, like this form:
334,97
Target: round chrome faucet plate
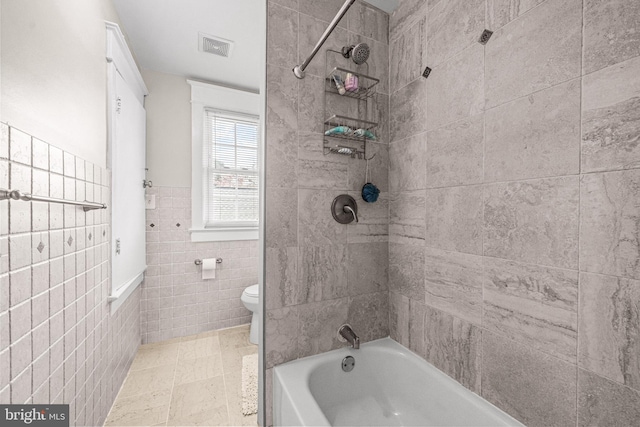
348,363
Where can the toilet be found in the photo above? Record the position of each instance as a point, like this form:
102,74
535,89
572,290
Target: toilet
250,298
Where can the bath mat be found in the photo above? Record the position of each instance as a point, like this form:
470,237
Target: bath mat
250,384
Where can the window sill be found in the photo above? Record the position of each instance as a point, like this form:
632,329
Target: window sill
223,234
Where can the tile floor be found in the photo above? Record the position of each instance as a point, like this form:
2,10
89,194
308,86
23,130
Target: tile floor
193,380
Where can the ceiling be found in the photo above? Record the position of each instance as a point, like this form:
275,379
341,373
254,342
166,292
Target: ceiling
164,37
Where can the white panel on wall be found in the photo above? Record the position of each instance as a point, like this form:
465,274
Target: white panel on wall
127,146
128,163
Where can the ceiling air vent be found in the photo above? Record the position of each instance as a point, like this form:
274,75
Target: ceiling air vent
215,45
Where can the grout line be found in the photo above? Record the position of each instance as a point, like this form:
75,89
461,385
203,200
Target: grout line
173,384
577,410
616,382
224,382
388,210
482,237
521,180
509,260
531,348
485,109
532,93
521,15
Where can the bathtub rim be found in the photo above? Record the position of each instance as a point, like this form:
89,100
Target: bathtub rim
300,370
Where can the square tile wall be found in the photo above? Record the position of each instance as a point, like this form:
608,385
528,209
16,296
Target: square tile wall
175,300
58,341
515,183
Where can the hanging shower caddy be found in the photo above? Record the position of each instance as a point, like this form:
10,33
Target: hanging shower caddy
353,112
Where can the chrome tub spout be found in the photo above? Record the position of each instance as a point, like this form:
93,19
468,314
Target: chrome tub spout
348,335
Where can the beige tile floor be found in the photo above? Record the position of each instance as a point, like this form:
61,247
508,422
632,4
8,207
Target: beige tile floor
193,380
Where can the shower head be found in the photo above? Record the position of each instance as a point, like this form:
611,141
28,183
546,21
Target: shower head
358,53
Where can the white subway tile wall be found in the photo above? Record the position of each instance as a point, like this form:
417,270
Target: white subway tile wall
175,300
58,341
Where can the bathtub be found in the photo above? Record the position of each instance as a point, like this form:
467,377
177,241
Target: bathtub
388,386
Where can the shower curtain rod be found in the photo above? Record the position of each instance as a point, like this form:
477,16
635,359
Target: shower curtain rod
298,70
17,195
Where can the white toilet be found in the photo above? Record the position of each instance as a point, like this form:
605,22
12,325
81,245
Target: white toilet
250,298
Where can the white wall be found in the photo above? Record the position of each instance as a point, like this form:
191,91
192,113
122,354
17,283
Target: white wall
168,108
53,87
169,141
0,62
54,72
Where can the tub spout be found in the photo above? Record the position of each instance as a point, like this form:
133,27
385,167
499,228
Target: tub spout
347,333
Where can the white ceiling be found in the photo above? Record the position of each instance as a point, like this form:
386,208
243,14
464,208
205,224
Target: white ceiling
164,37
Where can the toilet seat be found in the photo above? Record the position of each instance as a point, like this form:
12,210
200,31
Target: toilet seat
252,291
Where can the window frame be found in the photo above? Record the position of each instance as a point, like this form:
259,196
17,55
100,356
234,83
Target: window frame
206,96
236,117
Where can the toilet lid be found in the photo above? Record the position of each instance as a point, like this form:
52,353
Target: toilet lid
252,291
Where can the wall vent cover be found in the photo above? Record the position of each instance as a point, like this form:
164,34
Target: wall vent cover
214,45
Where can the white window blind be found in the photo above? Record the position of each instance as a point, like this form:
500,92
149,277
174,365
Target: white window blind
231,163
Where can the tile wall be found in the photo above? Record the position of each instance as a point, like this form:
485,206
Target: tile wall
59,343
175,300
319,273
515,202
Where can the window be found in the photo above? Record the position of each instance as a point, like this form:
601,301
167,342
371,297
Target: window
225,153
231,178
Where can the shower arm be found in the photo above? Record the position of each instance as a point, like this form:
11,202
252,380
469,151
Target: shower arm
298,70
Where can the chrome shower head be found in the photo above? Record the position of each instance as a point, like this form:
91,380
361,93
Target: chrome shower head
358,53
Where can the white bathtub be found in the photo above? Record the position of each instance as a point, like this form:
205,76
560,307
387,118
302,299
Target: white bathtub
389,386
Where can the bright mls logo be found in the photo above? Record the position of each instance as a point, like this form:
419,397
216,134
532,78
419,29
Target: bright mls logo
34,415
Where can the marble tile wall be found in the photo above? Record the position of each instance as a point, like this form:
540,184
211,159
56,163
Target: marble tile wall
319,273
514,177
175,300
59,343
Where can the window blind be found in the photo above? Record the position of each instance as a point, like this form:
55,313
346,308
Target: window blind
231,164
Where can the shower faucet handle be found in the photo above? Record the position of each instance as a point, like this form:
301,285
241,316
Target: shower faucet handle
348,208
344,209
